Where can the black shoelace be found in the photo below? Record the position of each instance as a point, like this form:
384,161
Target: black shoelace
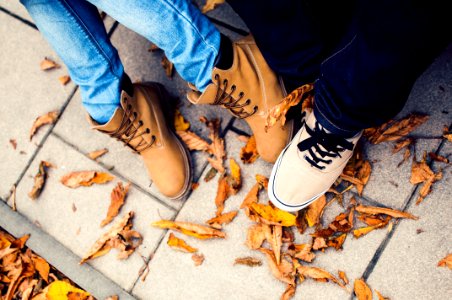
332,146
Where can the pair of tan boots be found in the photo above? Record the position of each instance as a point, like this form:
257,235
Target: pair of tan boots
248,90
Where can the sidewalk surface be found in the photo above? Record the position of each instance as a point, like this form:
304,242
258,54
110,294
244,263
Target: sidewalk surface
64,223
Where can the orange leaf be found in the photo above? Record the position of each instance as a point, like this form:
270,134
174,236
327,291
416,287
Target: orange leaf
222,219
248,261
48,64
362,290
223,193
179,244
96,154
337,242
284,271
191,229
303,252
380,296
85,178
315,211
317,273
117,198
262,180
198,259
394,131
211,5
193,141
64,79
251,197
39,179
373,210
438,158
41,266
289,292
402,144
272,215
248,153
180,124
343,276
255,236
446,261
48,118
420,172
167,66
279,111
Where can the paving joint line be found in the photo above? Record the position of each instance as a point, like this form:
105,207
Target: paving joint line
116,173
19,18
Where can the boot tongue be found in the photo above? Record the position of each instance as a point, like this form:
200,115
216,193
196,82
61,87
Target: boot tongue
207,97
113,123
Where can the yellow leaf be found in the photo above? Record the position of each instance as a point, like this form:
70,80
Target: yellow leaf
248,153
179,244
273,216
315,211
362,290
180,124
191,229
59,290
235,175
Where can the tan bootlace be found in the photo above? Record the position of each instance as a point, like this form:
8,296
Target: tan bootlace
224,98
126,132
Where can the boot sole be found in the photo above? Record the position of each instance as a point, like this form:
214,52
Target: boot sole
272,195
164,98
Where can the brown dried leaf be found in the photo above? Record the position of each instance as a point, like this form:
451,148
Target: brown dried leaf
117,198
448,136
317,273
236,178
365,230
210,174
255,236
337,242
191,229
279,111
251,197
362,290
319,243
343,277
198,259
85,178
179,244
180,124
96,154
41,266
48,118
48,64
211,5
284,271
248,153
446,261
222,219
167,66
289,292
114,297
248,261
272,215
193,141
223,193
402,144
315,211
373,210
276,242
303,252
380,296
39,180
398,129
13,143
438,158
64,79
426,187
406,155
420,172
153,48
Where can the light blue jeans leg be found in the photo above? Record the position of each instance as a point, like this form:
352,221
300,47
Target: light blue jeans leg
189,39
76,32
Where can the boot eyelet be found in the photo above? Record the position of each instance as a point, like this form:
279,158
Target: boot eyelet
225,81
135,114
241,94
140,122
256,108
216,76
129,106
248,101
233,87
148,131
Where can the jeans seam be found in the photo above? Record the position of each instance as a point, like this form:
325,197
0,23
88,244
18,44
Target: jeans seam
73,14
191,25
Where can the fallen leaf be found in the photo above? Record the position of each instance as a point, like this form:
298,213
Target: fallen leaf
262,180
198,259
362,290
179,244
426,187
272,215
337,242
279,111
223,192
303,252
98,153
438,158
402,144
284,271
48,118
243,138
194,185
210,174
222,219
380,296
41,266
289,292
85,178
59,290
167,66
211,5
446,261
420,172
39,180
276,241
119,236
343,277
64,79
248,261
319,243
251,197
406,155
217,145
191,229
193,141
315,211
248,153
13,143
48,64
317,273
395,130
114,297
357,233
255,236
373,210
236,178
448,136
180,124
117,198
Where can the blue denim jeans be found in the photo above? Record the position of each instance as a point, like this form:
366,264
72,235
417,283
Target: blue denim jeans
76,32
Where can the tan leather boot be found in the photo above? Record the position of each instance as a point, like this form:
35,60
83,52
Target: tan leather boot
140,123
249,89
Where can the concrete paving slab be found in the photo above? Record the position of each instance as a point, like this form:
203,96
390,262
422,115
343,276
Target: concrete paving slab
407,269
72,216
173,274
27,92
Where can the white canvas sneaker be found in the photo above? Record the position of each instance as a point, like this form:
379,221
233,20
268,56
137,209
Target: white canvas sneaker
309,165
